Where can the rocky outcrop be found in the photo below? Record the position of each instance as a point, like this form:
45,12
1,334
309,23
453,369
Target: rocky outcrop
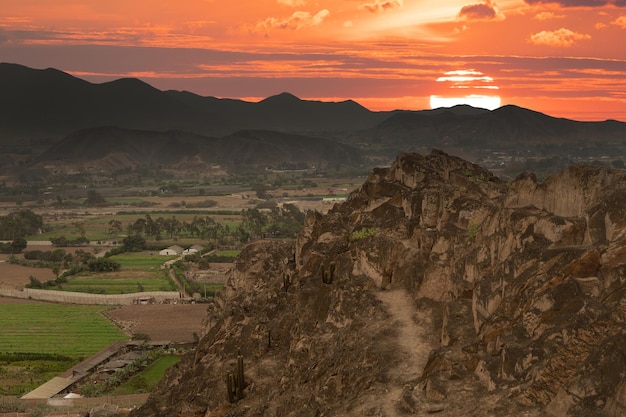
436,288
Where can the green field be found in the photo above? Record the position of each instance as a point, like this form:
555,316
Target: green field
232,253
147,380
117,283
71,330
140,271
141,261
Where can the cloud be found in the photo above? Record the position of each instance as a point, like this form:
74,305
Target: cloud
4,36
547,16
620,21
296,21
292,3
561,37
480,11
580,3
379,6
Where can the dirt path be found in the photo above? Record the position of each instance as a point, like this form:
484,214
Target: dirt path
181,287
415,341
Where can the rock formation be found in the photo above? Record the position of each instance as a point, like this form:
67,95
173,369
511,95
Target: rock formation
435,288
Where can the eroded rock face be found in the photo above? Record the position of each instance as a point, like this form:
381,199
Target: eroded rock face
517,303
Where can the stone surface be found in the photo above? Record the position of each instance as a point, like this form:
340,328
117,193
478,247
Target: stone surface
488,298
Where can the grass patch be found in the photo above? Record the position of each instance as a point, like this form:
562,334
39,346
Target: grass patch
117,283
147,380
230,253
141,261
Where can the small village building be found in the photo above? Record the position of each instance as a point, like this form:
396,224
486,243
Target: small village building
171,251
193,249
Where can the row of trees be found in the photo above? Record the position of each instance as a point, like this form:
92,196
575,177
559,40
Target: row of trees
278,221
20,224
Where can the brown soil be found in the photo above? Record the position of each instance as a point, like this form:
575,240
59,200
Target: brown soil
173,322
16,276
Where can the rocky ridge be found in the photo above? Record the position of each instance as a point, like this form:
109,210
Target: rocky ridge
436,288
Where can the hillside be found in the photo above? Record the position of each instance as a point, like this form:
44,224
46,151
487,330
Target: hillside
509,127
49,103
436,288
40,108
108,149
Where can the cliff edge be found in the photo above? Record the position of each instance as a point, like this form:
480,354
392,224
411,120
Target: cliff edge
435,288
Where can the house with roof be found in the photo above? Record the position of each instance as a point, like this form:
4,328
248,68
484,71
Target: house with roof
171,251
193,249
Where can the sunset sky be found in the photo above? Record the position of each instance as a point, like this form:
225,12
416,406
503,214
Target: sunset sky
566,58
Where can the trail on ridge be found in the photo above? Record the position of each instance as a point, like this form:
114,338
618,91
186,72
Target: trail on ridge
415,340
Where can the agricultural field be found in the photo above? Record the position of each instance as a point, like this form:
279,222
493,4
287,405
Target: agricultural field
140,271
40,340
148,378
64,329
118,283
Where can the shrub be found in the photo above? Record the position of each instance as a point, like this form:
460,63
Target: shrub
103,265
362,234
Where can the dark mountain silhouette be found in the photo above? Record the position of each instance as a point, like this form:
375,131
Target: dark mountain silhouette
51,103
41,107
273,148
285,112
142,147
113,148
506,127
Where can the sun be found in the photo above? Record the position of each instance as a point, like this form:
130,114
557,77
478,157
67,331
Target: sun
469,87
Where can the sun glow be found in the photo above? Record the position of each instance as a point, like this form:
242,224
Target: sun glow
484,102
466,87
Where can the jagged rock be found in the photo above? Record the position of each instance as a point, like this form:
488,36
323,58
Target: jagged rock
497,299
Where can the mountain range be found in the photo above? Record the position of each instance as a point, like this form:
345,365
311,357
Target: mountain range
48,115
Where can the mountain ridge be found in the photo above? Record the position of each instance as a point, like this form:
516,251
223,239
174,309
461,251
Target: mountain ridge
42,107
436,287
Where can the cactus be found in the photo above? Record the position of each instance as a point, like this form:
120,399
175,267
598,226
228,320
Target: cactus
328,276
230,387
235,382
241,382
286,281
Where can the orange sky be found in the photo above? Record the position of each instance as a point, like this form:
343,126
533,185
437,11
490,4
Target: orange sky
559,57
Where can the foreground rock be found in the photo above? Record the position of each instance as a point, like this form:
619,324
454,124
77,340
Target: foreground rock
435,289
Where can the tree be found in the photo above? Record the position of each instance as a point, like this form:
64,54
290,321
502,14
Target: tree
253,221
94,198
134,243
261,191
20,223
18,245
115,227
103,265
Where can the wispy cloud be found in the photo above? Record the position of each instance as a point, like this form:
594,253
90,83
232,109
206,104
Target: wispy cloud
560,38
620,21
580,3
547,16
296,21
292,3
379,6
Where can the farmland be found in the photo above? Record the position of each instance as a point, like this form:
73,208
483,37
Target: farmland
41,340
139,272
71,330
147,380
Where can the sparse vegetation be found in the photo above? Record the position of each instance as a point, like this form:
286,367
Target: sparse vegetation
362,234
472,231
